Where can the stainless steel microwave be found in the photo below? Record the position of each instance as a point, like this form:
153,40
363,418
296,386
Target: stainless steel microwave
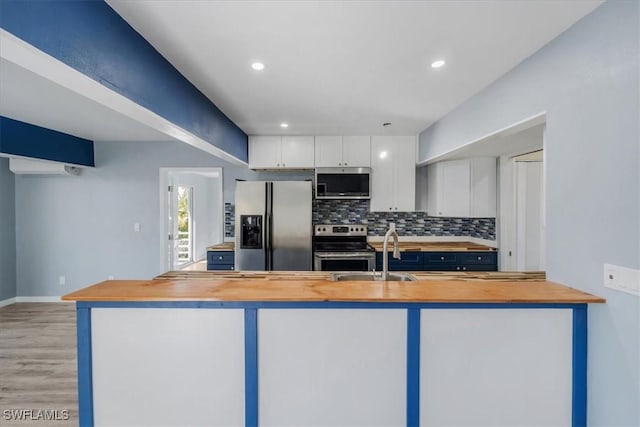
343,183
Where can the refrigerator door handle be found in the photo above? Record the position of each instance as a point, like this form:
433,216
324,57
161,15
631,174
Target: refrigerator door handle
270,226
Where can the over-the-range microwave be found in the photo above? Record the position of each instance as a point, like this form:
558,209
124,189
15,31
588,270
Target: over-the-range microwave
343,183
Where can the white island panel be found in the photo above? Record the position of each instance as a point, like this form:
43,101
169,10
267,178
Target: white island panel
496,367
168,367
332,367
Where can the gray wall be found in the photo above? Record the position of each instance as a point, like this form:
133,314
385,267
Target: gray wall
587,82
82,227
7,232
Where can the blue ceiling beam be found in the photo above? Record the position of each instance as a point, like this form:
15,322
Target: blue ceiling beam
92,38
27,140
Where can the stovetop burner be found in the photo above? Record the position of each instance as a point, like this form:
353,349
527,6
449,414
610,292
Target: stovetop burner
341,238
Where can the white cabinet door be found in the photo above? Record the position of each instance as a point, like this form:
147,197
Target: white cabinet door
328,151
382,174
298,152
455,191
404,192
264,152
356,151
462,188
483,187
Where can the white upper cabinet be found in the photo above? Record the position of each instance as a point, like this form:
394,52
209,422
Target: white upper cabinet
462,188
336,151
393,173
281,152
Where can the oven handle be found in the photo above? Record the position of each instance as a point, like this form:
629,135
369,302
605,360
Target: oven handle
345,255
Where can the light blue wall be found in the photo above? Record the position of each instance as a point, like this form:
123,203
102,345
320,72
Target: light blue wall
587,82
82,227
7,232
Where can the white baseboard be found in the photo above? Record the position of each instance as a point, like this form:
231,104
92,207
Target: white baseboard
39,299
7,301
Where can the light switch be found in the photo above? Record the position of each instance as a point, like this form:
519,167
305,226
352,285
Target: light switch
622,279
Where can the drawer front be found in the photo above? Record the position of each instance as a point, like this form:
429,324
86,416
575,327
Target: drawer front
440,257
468,267
478,258
407,260
220,257
219,267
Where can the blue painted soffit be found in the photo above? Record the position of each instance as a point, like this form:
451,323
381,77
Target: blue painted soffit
24,139
92,38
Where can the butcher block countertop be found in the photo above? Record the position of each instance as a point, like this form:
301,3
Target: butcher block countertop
226,246
318,289
434,246
404,246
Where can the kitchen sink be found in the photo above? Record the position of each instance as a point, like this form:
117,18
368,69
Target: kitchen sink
370,276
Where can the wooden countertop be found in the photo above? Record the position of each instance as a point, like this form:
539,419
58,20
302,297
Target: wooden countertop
226,246
301,290
404,246
325,275
435,246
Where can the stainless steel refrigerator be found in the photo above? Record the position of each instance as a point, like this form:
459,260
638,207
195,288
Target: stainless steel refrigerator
273,225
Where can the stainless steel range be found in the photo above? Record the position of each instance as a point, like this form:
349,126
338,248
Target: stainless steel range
342,248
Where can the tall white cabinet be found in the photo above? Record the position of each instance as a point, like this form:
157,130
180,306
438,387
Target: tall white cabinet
462,188
336,151
393,173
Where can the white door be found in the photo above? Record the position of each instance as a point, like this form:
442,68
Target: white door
183,225
529,216
404,190
328,151
264,152
298,152
356,151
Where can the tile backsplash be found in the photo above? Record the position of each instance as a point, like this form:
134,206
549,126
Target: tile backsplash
407,223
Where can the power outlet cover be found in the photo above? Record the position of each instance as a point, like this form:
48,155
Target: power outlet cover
622,279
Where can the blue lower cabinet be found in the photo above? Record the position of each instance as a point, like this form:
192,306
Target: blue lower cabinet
409,261
441,261
220,260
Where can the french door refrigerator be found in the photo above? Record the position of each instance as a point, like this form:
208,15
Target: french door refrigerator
273,225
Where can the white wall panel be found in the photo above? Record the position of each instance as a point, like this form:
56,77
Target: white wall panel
168,367
332,367
499,367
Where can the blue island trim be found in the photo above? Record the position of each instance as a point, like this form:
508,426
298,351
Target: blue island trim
251,367
85,371
579,380
413,367
579,347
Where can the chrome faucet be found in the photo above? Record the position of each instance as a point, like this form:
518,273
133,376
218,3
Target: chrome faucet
396,249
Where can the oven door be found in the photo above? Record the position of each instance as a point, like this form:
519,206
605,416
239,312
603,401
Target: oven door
344,261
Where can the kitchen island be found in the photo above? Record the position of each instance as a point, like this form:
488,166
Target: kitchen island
308,351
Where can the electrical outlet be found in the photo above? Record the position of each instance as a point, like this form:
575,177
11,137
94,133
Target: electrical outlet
622,279
136,227
110,277
62,280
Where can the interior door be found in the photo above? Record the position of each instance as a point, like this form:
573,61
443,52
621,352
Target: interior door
529,216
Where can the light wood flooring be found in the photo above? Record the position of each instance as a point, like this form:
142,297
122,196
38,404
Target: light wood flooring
38,361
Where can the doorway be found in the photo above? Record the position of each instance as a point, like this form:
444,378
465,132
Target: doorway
521,207
191,216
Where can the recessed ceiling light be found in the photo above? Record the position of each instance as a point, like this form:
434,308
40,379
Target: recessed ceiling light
284,125
437,64
258,66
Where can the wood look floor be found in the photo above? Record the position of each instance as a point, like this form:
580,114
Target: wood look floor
38,361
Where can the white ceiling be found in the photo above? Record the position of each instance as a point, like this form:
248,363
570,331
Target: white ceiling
345,67
27,97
